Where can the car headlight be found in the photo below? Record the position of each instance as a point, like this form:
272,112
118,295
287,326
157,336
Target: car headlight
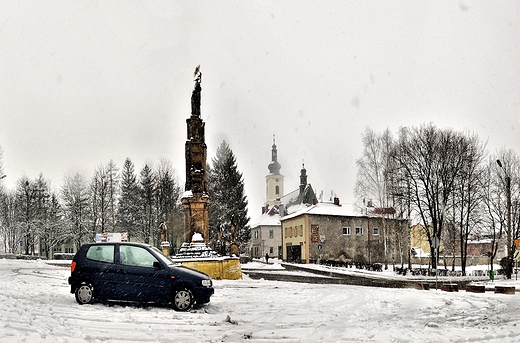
206,283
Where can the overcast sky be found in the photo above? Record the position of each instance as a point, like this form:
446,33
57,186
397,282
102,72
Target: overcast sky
84,82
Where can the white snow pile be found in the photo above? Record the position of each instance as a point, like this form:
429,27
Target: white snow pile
36,306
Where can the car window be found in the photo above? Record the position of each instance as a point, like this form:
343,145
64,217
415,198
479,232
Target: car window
102,253
136,256
165,259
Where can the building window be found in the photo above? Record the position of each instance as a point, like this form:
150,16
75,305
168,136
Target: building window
277,190
271,250
271,233
301,230
346,231
359,231
375,231
256,234
290,232
285,232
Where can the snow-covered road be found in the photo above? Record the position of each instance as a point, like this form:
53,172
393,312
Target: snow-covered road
36,306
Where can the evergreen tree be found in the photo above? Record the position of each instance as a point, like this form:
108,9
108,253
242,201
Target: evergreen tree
228,218
128,208
147,200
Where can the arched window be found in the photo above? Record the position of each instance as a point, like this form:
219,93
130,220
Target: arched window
277,190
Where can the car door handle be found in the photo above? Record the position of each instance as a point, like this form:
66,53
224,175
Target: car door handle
121,271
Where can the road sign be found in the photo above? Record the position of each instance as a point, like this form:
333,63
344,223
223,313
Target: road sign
517,255
320,246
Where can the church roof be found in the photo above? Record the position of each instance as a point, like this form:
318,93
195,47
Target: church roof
295,199
269,218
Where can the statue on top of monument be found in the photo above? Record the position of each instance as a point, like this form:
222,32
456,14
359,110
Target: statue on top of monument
195,96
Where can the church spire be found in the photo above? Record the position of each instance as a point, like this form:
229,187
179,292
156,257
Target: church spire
274,166
303,178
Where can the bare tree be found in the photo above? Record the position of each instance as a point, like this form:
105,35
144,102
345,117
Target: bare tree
113,180
507,171
467,195
103,196
169,209
75,196
431,160
372,179
493,209
9,228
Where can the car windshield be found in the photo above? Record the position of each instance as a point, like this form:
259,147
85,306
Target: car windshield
161,256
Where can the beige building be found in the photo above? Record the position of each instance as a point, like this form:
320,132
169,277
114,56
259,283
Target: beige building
343,233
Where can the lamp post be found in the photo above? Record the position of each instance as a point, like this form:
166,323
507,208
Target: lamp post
508,205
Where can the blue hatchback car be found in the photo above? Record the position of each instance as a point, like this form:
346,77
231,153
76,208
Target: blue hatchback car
135,272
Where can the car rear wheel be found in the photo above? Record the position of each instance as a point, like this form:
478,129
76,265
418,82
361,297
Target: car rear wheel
182,299
84,293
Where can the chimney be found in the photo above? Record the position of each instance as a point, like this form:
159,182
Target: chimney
336,201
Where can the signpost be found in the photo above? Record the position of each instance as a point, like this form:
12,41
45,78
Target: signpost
435,244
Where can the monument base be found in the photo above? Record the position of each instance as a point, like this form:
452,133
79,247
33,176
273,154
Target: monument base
199,256
220,268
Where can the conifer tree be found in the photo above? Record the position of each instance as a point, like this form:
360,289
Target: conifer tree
147,187
129,200
228,218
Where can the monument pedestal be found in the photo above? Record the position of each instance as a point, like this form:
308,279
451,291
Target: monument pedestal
199,256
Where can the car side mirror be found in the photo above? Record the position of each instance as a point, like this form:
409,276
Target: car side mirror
157,265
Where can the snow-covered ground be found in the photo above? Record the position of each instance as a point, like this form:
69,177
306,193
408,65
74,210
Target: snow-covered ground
36,306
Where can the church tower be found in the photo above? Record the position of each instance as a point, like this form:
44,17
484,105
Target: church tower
274,180
195,199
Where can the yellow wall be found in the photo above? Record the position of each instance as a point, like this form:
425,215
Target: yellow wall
223,269
296,232
419,239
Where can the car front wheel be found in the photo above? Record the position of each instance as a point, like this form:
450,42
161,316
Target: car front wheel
182,299
84,293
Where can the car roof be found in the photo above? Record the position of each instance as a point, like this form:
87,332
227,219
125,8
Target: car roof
120,243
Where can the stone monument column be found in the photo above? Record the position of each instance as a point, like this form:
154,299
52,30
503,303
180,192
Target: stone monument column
195,199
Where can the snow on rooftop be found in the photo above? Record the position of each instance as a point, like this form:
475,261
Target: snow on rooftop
329,209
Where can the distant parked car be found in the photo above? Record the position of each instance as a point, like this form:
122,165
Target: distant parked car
135,272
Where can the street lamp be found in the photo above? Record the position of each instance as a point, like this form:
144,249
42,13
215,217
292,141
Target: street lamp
508,205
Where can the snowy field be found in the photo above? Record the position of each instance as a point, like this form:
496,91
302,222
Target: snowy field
36,306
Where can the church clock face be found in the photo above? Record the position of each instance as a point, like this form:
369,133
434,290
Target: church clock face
277,179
